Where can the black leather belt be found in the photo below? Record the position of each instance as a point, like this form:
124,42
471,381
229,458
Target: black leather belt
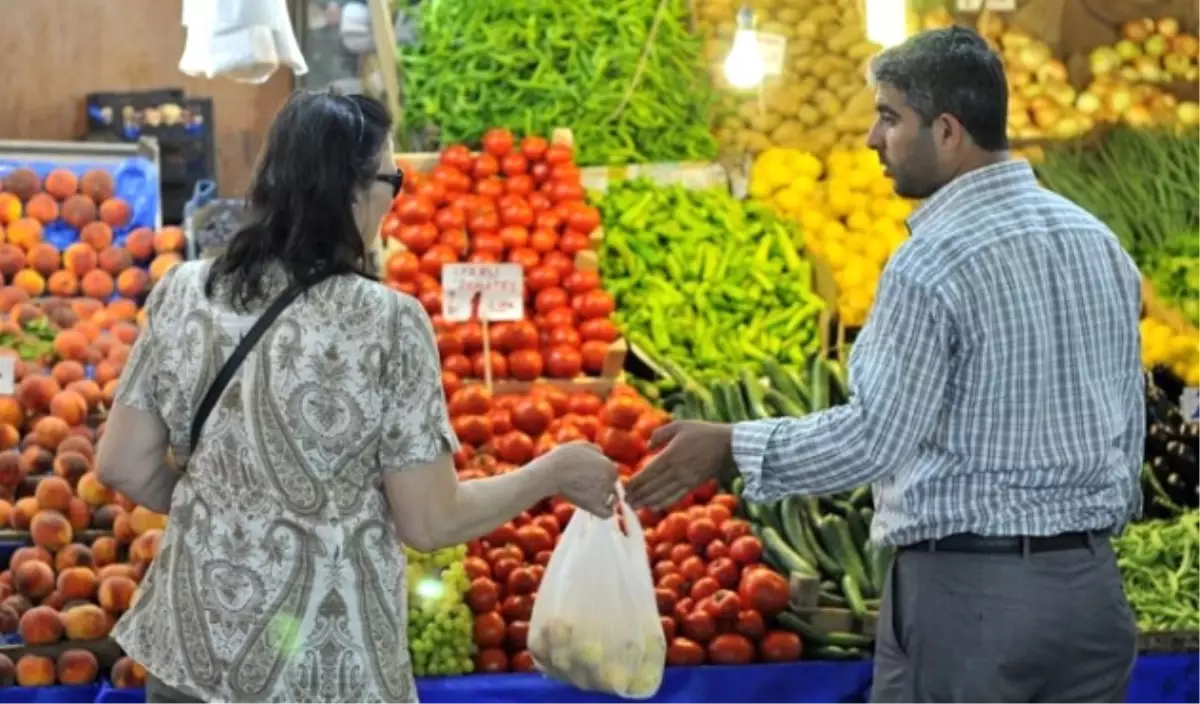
1017,545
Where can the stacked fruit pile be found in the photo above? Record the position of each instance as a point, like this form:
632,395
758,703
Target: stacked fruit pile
439,621
520,203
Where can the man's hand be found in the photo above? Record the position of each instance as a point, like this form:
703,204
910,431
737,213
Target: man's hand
694,452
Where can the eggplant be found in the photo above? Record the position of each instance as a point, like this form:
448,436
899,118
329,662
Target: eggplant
1158,436
1182,461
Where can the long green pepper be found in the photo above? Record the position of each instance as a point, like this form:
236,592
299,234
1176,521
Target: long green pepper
1159,565
537,65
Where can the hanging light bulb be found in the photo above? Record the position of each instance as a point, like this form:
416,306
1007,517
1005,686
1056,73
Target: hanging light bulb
886,22
744,67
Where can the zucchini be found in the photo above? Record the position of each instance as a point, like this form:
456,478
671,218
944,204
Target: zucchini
836,534
831,598
784,383
737,404
775,546
839,382
814,636
793,530
829,566
859,531
854,596
720,408
818,384
784,406
837,652
861,496
879,559
755,406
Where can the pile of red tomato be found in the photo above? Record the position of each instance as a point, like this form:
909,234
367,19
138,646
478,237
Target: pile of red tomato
512,202
715,598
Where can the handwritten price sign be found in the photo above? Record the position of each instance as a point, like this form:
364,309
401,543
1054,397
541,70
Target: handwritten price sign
495,288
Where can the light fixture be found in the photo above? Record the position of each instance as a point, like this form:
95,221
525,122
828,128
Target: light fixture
887,22
744,67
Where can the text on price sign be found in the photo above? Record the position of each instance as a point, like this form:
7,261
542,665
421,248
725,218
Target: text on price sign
496,288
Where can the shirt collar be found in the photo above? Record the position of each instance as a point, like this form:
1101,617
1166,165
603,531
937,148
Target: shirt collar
992,180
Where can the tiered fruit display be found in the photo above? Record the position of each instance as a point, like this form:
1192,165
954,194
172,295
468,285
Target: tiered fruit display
1161,574
1130,80
705,280
440,635
520,203
850,215
820,101
1171,477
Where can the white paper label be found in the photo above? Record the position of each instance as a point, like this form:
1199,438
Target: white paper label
1189,403
490,291
8,374
993,5
773,49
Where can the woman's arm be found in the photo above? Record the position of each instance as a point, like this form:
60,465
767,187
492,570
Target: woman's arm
132,457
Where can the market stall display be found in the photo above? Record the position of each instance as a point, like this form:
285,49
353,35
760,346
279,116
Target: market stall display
439,620
626,77
518,202
819,100
707,281
1158,561
1172,473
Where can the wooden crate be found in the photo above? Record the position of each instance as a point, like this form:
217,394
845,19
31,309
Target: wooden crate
1169,642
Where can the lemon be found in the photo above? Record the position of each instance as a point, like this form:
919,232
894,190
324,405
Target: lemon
859,221
835,255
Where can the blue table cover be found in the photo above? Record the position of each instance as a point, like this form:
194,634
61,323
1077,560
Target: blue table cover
1156,678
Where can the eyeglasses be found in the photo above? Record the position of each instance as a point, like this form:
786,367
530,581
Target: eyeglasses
396,180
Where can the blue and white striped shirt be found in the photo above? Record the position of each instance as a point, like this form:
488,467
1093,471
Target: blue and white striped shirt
997,385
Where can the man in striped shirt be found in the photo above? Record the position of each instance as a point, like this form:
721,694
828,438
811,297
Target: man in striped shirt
997,406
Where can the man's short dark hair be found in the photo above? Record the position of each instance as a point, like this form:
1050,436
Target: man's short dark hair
950,71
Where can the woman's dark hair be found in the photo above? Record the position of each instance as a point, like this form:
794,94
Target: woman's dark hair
321,151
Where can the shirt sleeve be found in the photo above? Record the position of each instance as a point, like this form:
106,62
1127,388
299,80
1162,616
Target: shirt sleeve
1133,443
416,424
138,387
898,374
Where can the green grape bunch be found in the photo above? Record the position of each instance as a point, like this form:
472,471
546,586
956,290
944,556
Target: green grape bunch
440,626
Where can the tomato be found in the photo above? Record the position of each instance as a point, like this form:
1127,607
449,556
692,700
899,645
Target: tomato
620,445
750,624
491,660
540,202
483,222
533,416
484,166
497,361
550,298
725,571
746,550
520,185
434,257
716,549
431,301
521,581
513,446
563,362
540,171
593,304
472,336
514,164
473,430
559,154
563,335
733,529
681,552
571,243
564,191
730,649
719,513
514,236
483,258
518,213
667,621
457,156
725,604
458,364
497,141
433,191
541,277
472,400
781,646
418,238
693,569
621,412
414,210
764,591
566,173
699,626
403,266
525,364
584,403
582,281
683,652
522,335
476,567
665,599
501,421
489,629
701,532
594,355
482,595
548,220
558,317
522,661
534,147
524,256
390,227
491,187
584,220
517,607
560,261
451,383
453,180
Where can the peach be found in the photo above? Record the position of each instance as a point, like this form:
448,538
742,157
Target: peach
105,372
97,284
109,391
50,431
72,344
18,603
12,260
104,517
124,331
53,494
43,258
122,529
169,239
77,666
11,411
10,437
143,520
97,235
86,622
51,530
35,671
67,372
24,232
35,392
10,468
132,283
78,210
5,512
79,515
124,310
10,208
9,619
40,625
22,183
23,512
36,460
116,212
62,283
8,671
140,244
104,552
70,406
71,466
92,491
90,391
145,546
114,260
29,553
42,208
127,674
77,583
97,185
33,579
124,502
74,555
61,184
117,569
79,259
23,314
78,443
30,282
162,264
116,594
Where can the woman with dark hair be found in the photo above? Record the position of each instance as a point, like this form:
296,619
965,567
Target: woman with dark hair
304,401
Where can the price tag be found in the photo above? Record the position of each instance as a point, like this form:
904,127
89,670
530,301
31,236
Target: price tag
1189,403
773,49
8,374
993,5
495,288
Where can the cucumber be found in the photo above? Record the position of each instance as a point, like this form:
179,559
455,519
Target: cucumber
861,496
814,636
879,560
818,384
836,531
784,383
720,408
854,596
831,506
784,406
737,404
837,652
829,566
829,598
755,406
859,531
775,546
793,530
839,380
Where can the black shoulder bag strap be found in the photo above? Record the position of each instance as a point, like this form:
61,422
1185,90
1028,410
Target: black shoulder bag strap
239,355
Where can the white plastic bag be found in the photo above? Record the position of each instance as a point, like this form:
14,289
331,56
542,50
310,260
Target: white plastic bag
595,622
245,40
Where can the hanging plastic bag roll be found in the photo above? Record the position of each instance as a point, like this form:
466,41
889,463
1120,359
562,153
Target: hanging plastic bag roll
245,40
595,622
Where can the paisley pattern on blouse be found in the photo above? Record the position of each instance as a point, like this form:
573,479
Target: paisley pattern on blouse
280,577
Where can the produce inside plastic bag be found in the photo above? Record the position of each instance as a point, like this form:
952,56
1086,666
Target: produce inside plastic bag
595,621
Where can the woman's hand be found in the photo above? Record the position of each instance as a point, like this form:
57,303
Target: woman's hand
584,476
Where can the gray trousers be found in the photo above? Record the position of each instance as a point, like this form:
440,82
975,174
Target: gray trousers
157,692
969,627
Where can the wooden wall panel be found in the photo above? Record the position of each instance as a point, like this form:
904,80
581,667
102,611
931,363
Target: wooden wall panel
53,52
